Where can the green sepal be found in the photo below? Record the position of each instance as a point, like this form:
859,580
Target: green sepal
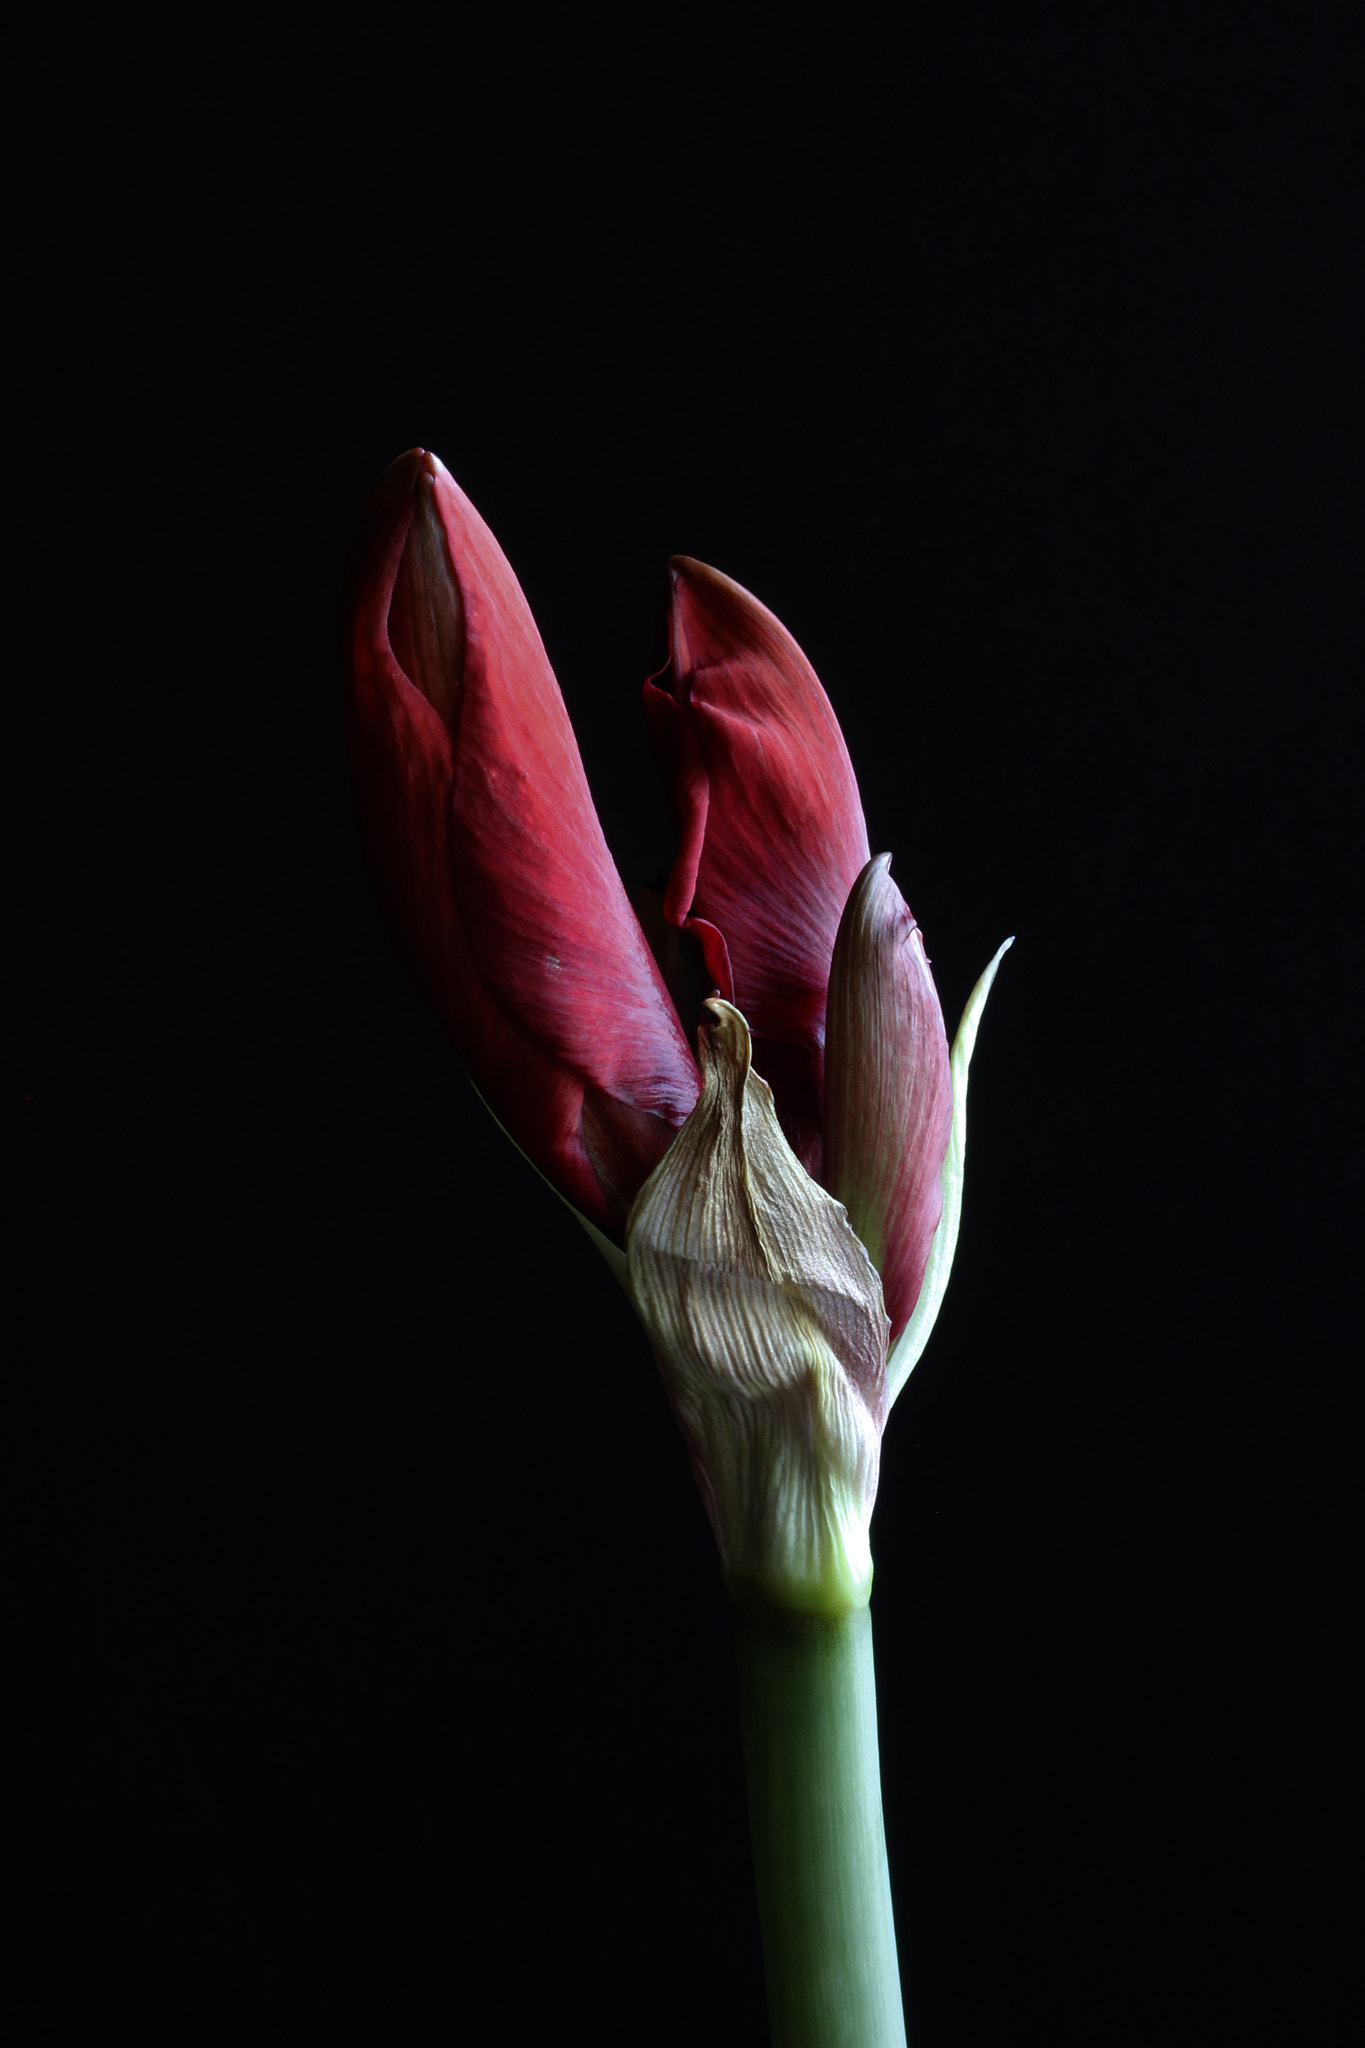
906,1351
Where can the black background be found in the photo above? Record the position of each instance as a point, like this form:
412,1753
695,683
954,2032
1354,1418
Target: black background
372,1659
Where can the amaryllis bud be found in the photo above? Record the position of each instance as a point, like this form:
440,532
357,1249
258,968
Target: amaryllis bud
762,1216
766,1318
888,1089
770,829
769,1226
486,855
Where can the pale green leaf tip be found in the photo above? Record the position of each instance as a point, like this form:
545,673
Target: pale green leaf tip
612,1253
909,1346
614,1256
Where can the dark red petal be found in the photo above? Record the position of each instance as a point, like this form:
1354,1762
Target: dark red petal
486,854
770,828
888,1087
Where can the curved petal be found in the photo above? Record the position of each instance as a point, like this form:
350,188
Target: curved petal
486,854
770,829
909,1346
888,1087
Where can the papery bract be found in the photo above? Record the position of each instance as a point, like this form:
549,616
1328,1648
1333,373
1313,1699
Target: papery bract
766,1318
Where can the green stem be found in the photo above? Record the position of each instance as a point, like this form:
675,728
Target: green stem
808,1701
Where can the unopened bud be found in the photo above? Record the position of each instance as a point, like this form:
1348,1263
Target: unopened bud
888,1091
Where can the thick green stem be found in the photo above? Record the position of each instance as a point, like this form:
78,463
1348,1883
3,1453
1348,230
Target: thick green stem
808,1700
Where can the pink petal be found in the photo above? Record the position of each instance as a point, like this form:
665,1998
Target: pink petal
888,1087
486,854
770,828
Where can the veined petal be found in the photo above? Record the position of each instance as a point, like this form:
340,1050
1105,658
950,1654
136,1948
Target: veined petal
766,1318
888,1089
486,854
770,827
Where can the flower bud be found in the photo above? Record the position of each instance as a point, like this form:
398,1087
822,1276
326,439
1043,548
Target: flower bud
766,1318
486,855
888,1088
770,827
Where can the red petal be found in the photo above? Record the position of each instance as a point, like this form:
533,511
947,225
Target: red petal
770,828
486,854
888,1087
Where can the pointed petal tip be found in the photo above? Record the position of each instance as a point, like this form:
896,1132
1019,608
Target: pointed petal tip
687,577
411,459
418,461
875,897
